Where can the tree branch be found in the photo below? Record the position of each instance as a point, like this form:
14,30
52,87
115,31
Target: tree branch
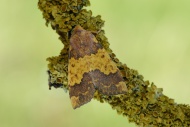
144,104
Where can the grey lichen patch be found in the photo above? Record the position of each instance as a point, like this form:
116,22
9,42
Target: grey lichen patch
144,104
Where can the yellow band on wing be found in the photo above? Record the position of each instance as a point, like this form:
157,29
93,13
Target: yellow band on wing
101,61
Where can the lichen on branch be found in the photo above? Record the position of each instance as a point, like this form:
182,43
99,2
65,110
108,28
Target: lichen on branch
144,104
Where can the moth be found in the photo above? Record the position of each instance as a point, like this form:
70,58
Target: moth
90,68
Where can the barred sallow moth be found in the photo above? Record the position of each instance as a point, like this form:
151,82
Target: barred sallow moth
91,68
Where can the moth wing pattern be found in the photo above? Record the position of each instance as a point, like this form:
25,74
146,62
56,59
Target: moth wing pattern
91,68
82,93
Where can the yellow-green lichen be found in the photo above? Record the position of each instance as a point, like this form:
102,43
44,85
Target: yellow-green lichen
144,104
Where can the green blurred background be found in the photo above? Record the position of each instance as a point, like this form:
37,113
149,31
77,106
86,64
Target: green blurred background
151,36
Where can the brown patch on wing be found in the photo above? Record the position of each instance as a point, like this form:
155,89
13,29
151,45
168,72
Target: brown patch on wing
111,84
83,43
82,93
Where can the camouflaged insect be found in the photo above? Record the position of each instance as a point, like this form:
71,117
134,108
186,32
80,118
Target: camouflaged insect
90,69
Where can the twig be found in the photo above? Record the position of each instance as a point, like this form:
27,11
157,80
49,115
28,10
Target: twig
144,104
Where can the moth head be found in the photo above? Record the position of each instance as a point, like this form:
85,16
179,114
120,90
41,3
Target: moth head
77,29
